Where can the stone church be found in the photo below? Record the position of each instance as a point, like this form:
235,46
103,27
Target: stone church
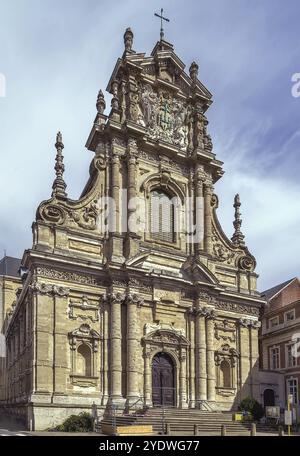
133,295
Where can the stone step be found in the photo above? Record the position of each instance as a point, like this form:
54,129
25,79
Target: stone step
178,426
183,421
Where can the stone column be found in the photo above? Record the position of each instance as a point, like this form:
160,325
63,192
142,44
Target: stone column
133,301
208,189
182,380
43,340
116,347
60,363
211,368
244,358
132,153
132,238
254,368
105,352
200,352
192,361
115,236
147,378
115,187
199,218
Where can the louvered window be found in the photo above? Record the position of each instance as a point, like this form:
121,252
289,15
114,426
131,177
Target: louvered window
161,217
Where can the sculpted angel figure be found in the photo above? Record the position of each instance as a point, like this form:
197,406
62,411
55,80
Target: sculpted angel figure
148,101
135,110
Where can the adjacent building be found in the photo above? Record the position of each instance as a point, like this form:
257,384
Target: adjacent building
10,282
280,339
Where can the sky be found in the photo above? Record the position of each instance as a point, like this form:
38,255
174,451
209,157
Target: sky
56,55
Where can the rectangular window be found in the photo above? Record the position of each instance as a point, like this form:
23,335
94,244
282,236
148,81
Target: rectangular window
274,358
292,388
274,322
290,315
290,359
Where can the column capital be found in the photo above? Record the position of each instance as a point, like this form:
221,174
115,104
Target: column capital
200,176
113,297
132,145
115,156
134,298
182,355
248,323
255,324
147,354
48,289
207,312
208,188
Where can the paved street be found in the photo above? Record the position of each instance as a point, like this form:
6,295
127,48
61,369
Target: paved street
9,427
6,432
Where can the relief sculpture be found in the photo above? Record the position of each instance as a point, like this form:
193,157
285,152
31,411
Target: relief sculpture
165,117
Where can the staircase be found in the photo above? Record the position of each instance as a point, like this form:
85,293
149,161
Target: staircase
182,422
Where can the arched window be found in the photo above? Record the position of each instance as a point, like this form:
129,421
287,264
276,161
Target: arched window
225,379
83,361
161,217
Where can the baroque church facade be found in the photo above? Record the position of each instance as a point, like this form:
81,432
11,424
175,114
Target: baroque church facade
118,313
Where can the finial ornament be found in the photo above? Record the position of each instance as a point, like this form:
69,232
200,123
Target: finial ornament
194,71
238,237
128,39
100,105
162,18
59,185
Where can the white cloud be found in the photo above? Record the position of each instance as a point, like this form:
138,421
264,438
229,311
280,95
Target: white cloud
57,55
269,211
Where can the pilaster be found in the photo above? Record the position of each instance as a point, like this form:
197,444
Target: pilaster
115,301
208,191
133,301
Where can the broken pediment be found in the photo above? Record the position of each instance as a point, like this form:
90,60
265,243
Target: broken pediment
198,272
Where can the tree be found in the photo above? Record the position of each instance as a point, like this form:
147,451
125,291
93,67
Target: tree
252,406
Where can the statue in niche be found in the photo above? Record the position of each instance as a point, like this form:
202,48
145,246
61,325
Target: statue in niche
135,111
149,100
190,127
199,131
180,128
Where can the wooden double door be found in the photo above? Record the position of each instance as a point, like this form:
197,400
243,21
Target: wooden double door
163,381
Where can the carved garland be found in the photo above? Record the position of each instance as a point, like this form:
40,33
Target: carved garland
237,308
48,289
65,275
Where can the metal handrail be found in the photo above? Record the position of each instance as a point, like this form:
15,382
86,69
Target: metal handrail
129,407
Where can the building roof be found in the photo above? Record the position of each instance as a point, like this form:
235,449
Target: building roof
272,292
9,266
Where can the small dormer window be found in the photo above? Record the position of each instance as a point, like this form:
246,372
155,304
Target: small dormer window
274,322
289,315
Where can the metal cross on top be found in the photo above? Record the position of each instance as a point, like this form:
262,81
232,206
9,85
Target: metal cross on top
162,18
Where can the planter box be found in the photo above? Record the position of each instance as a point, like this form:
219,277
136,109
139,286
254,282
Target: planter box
138,429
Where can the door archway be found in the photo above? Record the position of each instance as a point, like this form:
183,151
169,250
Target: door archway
269,398
163,380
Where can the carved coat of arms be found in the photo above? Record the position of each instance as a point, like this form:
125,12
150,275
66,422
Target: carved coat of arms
165,117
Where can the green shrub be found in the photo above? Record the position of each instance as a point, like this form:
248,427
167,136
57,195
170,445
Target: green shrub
77,423
252,406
